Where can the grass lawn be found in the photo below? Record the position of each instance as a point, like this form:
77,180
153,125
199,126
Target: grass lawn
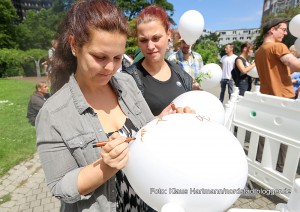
17,136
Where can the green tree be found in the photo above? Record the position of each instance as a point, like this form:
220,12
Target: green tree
214,36
236,50
208,50
132,8
11,62
7,27
37,30
36,55
61,6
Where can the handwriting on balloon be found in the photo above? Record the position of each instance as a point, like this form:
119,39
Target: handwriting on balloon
202,118
160,119
143,131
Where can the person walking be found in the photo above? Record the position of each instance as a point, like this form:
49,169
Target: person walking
227,64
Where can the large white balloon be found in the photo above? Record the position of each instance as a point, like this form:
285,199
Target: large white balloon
204,103
184,159
191,25
294,26
297,44
253,72
215,73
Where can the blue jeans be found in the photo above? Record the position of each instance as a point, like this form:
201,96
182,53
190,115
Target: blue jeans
245,85
225,82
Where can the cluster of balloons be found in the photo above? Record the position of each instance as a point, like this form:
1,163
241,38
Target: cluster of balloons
188,162
294,27
190,27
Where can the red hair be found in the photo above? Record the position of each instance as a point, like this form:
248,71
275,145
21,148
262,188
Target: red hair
153,13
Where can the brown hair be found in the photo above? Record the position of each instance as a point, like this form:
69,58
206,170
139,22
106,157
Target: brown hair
153,13
247,45
84,16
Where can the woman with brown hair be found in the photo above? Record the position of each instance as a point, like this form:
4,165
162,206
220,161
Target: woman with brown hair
91,103
243,65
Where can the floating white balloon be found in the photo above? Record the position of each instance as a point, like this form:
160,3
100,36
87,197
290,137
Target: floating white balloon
191,25
294,26
204,103
253,73
215,73
184,159
297,44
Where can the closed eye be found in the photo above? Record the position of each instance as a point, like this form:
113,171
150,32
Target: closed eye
143,40
155,39
99,57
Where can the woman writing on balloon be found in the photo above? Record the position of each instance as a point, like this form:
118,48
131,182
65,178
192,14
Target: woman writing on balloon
159,80
90,103
243,66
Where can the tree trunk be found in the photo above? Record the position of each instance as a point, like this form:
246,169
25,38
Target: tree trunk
37,67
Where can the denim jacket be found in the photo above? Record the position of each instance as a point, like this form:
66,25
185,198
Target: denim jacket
66,128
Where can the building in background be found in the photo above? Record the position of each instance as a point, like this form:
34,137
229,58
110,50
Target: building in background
276,6
242,35
23,5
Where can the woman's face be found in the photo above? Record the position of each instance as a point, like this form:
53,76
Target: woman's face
153,40
99,58
248,51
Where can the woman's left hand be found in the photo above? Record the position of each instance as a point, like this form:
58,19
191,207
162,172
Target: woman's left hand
171,109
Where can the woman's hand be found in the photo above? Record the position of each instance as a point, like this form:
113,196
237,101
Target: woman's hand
171,109
115,152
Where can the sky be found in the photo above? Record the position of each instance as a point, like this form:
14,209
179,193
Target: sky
222,14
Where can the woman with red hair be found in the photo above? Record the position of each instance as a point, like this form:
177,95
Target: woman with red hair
159,80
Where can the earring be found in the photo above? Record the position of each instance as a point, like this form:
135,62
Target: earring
73,52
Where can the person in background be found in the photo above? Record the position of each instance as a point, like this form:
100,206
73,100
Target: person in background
91,102
243,65
159,80
227,64
274,63
188,60
296,75
296,83
36,102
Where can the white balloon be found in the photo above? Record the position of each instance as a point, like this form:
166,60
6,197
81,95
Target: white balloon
187,160
297,44
204,103
294,26
191,25
171,207
216,75
253,72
